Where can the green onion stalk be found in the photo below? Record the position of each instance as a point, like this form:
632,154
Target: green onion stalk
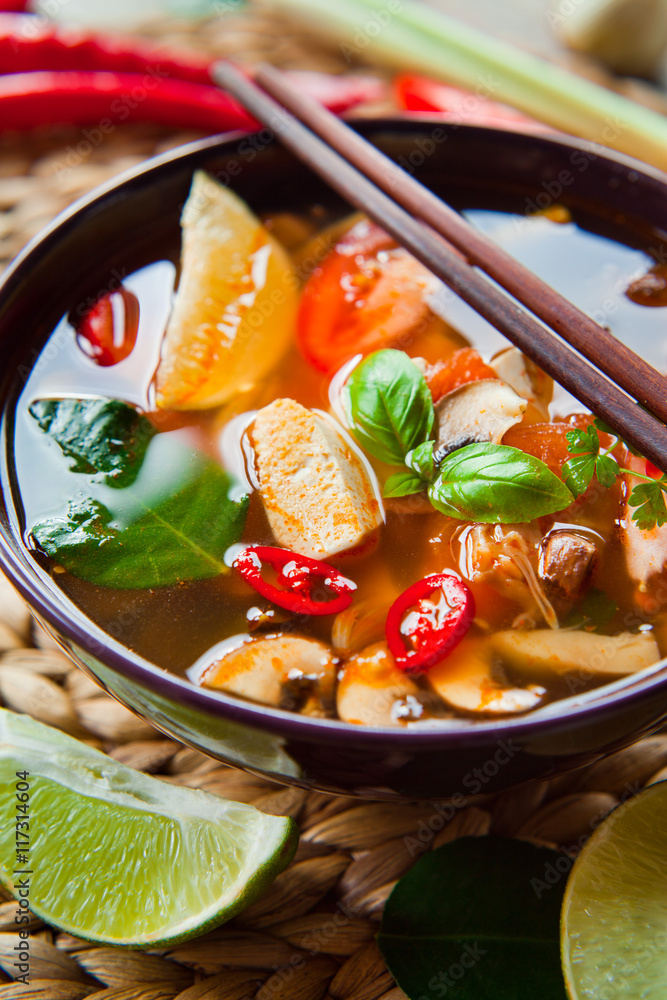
408,35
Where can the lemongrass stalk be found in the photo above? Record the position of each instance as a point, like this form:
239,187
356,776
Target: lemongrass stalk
412,36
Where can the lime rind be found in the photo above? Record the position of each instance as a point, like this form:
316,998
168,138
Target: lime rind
118,857
614,916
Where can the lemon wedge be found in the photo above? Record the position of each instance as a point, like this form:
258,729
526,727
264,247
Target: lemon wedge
235,306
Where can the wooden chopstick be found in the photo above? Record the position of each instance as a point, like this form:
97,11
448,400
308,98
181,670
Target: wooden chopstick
634,424
607,353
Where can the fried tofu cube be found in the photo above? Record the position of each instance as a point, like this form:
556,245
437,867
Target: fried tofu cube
317,492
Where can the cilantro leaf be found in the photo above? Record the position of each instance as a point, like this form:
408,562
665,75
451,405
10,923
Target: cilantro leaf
577,473
586,441
649,499
586,459
606,469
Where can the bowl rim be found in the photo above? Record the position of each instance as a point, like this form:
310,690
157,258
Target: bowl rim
66,619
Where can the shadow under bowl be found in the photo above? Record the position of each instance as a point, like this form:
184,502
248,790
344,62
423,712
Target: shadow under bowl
125,226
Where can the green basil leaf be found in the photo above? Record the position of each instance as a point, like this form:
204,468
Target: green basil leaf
180,536
497,484
389,406
101,435
649,499
402,484
477,918
421,460
577,473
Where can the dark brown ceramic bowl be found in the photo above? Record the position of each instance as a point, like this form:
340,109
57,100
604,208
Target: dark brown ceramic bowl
125,226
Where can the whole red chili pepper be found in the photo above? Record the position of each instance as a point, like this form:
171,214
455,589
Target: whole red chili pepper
296,578
105,100
419,640
29,43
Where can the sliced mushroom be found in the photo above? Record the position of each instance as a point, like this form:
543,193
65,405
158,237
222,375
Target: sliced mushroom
465,680
566,561
477,411
524,376
542,653
503,555
372,691
318,491
285,671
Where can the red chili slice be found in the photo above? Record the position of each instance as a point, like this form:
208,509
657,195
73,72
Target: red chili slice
108,331
419,640
297,577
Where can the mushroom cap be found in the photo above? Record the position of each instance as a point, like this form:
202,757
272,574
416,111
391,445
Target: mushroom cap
264,669
372,690
477,411
465,680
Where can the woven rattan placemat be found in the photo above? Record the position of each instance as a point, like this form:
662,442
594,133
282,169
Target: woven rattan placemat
312,935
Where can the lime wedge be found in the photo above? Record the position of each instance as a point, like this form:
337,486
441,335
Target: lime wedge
115,856
614,917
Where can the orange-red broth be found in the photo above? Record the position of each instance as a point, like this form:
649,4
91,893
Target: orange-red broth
173,626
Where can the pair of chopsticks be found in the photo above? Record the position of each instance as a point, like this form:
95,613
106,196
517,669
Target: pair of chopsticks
632,400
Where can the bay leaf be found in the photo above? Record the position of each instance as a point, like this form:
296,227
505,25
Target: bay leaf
478,919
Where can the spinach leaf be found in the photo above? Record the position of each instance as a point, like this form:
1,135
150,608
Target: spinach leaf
496,483
389,406
402,484
181,536
101,435
477,918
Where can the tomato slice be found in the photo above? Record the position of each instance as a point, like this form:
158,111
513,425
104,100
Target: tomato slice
465,365
367,294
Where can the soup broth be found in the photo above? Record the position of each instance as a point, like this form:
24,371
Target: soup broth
551,577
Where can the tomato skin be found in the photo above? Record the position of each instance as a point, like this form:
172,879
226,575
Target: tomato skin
108,331
328,331
547,442
465,365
